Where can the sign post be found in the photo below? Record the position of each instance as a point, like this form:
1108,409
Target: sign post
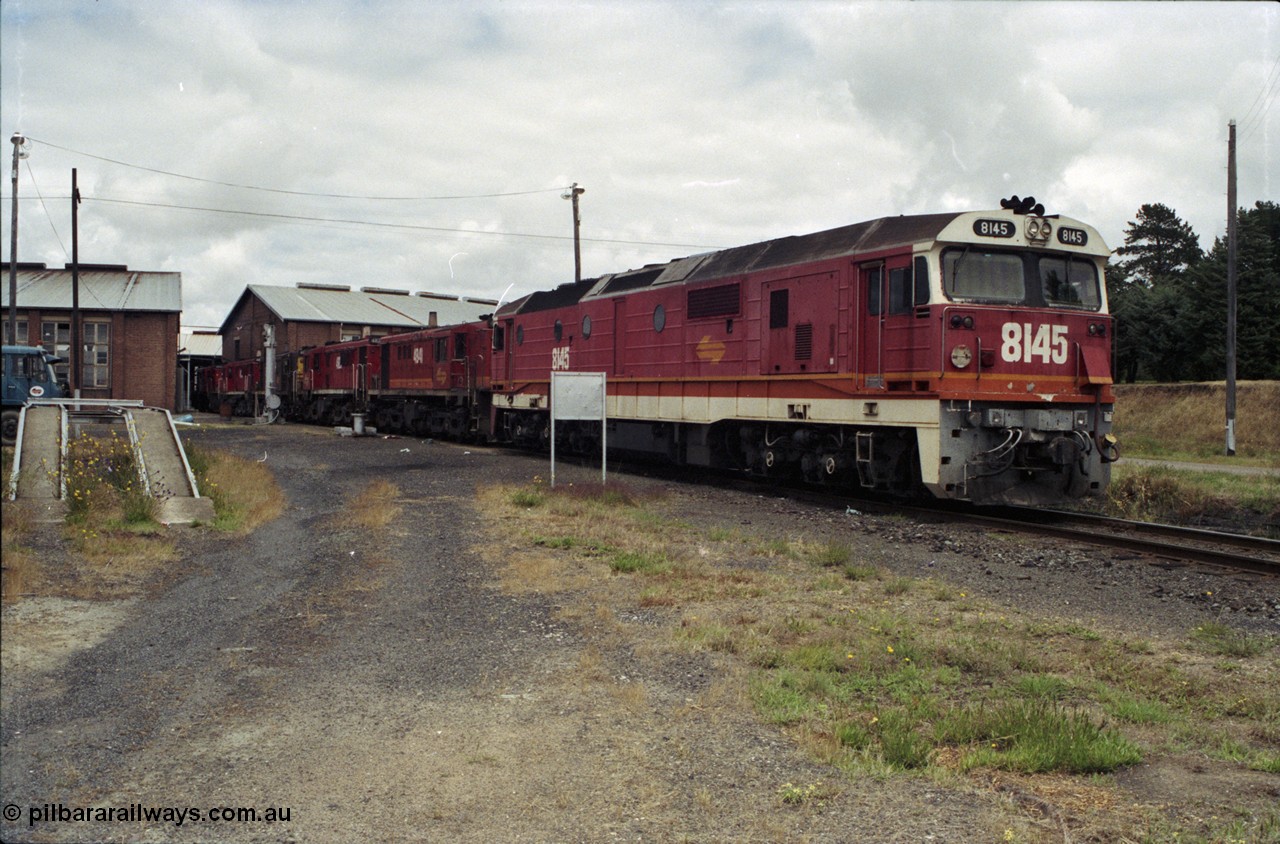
578,396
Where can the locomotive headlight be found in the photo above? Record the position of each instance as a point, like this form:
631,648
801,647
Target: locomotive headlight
1038,229
961,356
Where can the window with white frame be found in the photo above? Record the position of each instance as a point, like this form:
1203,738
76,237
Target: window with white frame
22,333
96,367
55,336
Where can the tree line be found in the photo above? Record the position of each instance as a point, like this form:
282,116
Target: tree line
1169,298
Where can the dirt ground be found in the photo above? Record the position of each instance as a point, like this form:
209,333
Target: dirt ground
439,681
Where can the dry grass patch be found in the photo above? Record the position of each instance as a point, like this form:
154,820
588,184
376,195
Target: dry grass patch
21,566
1186,421
372,508
886,677
244,492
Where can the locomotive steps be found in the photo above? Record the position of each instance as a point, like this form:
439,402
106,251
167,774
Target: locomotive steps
47,429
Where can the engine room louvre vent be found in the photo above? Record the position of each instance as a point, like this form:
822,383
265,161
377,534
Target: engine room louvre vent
714,301
804,340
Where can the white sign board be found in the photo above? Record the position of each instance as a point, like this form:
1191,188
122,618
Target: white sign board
578,396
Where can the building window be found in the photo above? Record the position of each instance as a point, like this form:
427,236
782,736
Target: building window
22,333
97,355
56,339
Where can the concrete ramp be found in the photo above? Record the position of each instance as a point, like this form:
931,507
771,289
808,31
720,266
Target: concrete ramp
37,462
163,465
46,428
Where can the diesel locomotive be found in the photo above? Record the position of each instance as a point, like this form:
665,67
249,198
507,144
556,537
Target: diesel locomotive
962,355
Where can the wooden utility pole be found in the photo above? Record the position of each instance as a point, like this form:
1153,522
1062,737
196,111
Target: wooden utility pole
18,141
1232,217
573,193
77,347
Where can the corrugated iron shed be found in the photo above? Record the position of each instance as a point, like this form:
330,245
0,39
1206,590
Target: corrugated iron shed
111,289
200,344
370,306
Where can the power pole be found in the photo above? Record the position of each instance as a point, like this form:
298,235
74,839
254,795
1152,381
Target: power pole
18,142
573,193
1231,288
77,347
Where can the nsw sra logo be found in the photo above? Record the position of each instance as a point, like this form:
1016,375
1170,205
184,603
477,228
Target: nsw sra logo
36,391
560,358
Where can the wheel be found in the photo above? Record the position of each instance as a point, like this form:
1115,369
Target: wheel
11,426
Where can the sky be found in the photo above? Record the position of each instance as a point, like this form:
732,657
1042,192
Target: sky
428,146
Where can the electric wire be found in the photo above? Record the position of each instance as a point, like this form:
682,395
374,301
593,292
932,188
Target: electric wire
45,207
383,225
1254,118
292,192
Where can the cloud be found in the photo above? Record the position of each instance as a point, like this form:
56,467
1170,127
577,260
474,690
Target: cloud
691,126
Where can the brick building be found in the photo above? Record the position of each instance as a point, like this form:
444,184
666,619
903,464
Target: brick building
315,314
129,327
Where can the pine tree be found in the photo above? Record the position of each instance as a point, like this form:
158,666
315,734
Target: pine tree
1162,246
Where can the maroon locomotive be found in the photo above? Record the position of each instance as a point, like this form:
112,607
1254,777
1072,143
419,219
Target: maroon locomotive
966,354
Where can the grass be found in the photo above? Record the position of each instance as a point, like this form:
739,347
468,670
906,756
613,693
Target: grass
21,566
244,492
372,508
1185,422
883,676
113,540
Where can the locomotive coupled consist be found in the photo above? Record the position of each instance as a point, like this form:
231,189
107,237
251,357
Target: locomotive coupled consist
964,355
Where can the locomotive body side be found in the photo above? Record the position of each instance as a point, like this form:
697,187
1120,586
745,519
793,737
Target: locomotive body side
848,355
436,381
332,382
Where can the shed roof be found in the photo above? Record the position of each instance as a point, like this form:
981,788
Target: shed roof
101,289
367,306
200,344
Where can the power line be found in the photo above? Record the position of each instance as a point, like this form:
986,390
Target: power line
373,224
1266,96
47,215
293,192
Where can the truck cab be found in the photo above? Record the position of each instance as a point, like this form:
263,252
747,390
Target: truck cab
28,374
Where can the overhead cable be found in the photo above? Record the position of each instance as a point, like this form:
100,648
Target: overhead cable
293,192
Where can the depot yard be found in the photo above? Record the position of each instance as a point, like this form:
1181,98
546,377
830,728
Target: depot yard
429,643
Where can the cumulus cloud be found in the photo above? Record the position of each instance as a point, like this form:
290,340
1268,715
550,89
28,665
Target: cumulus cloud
395,136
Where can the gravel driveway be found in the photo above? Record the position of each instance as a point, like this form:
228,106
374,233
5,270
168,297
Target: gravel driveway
388,687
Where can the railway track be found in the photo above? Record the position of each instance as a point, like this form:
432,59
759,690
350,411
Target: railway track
1168,542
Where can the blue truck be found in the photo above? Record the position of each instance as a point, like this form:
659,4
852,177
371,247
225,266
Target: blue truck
28,374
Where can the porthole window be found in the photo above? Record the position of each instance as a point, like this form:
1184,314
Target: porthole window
659,318
519,335
559,330
586,327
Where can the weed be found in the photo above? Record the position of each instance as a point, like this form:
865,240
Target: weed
858,572
641,562
528,497
833,555
795,795
1222,640
244,492
1033,737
